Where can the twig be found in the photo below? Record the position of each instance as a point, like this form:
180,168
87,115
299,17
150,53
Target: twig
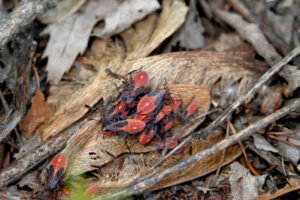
222,158
3,101
242,135
206,131
21,17
248,163
284,141
22,62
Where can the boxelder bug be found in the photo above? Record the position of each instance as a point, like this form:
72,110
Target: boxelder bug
114,112
168,124
56,170
165,111
173,144
175,104
148,133
137,86
145,118
127,126
191,109
150,101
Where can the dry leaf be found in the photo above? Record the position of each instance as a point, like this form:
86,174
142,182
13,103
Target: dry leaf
39,112
243,184
261,143
61,11
190,35
289,152
97,88
70,37
292,75
128,13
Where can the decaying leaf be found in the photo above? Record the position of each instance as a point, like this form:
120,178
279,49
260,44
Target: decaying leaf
128,12
61,11
261,143
290,152
243,184
97,88
190,35
39,112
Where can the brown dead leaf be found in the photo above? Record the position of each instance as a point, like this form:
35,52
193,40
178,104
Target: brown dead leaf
39,112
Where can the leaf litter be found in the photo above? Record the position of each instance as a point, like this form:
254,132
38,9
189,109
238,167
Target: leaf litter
214,79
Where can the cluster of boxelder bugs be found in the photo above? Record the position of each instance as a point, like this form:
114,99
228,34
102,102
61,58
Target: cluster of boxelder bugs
137,109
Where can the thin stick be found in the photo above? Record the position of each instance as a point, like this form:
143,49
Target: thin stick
242,135
248,163
284,141
222,158
206,131
21,17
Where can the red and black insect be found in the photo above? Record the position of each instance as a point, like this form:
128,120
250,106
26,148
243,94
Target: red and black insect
167,124
56,170
150,101
127,126
137,86
165,111
115,111
191,109
162,145
148,133
145,118
176,103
